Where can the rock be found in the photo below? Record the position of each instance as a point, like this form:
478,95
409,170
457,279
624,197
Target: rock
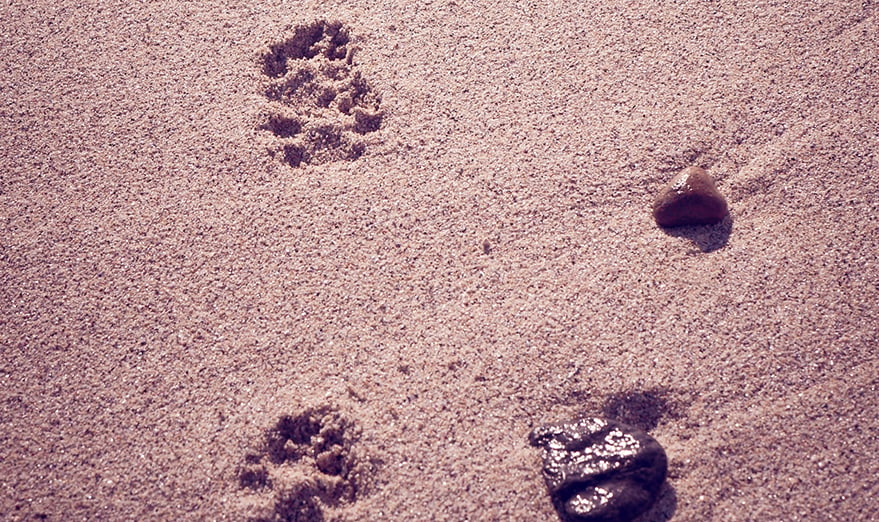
600,471
689,199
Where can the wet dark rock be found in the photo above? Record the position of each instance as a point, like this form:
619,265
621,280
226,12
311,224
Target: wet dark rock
600,471
689,199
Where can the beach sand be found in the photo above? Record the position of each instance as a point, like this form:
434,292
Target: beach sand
175,293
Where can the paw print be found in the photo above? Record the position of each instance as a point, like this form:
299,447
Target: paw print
322,107
305,467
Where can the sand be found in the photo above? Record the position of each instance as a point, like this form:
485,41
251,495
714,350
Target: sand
171,288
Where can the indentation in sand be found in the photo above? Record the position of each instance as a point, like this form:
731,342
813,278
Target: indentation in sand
305,465
321,106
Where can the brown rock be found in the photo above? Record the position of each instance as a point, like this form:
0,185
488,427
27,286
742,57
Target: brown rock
689,199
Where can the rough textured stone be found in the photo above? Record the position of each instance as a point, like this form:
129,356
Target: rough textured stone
689,199
600,471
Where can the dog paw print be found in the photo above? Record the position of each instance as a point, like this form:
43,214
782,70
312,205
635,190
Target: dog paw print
305,467
322,107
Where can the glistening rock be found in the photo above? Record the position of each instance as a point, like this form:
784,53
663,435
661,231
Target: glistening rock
690,198
600,471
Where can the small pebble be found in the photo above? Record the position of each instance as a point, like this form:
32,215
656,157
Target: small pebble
689,199
600,471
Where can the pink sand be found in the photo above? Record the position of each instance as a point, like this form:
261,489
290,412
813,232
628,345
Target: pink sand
169,289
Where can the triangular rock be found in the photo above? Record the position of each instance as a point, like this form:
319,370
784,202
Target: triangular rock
689,199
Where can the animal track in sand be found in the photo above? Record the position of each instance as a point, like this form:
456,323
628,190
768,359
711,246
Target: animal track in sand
304,466
322,107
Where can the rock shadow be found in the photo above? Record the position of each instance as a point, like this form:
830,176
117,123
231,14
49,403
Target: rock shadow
707,238
664,508
639,409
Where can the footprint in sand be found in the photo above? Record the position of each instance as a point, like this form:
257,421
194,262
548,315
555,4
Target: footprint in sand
322,107
304,468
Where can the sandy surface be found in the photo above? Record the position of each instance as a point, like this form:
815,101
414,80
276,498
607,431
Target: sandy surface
171,288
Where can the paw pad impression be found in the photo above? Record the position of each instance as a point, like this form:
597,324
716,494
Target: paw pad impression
322,107
304,467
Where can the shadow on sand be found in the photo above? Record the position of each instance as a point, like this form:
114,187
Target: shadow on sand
664,507
639,409
707,237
